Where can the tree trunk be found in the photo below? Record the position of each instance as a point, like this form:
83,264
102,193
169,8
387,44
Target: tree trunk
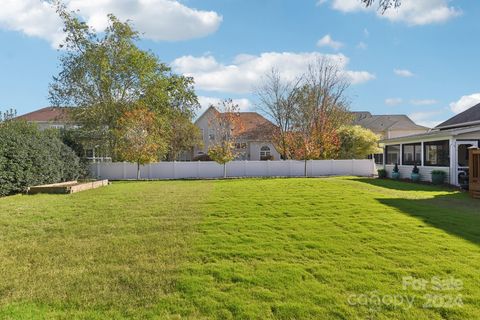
138,170
225,170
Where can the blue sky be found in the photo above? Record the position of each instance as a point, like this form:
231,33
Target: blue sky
420,60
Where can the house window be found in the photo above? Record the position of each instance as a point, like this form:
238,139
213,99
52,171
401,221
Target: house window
265,153
393,154
211,134
378,158
240,145
437,153
412,154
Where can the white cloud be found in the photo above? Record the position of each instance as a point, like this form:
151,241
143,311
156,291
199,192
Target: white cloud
423,102
403,73
465,102
205,102
246,71
348,5
32,17
411,12
393,101
327,41
426,118
362,45
155,19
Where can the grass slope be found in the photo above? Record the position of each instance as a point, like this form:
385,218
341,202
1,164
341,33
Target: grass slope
244,249
297,249
102,254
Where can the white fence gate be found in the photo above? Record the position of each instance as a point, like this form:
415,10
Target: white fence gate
210,170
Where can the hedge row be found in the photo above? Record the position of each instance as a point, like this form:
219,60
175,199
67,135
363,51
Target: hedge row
30,157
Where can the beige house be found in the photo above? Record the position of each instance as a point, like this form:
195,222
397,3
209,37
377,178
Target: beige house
388,127
254,142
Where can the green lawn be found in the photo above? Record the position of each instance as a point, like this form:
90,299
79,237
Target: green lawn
240,249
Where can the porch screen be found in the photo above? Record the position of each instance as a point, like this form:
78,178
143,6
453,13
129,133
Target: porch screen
412,154
437,153
393,154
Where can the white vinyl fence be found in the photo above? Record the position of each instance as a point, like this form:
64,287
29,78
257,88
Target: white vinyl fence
210,170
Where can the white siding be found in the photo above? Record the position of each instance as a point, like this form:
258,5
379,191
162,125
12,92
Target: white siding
425,172
254,150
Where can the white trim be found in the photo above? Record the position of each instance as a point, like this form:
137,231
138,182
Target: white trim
432,136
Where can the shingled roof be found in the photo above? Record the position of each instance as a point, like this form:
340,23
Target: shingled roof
255,127
48,114
463,119
378,123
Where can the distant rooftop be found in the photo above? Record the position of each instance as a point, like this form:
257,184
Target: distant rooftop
385,122
48,114
254,126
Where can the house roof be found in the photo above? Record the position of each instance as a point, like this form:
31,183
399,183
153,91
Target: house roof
463,119
48,114
254,127
433,134
360,115
378,123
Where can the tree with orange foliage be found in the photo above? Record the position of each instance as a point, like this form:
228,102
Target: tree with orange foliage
320,109
226,126
140,137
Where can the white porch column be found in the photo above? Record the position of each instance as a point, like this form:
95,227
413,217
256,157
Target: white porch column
453,162
384,156
422,161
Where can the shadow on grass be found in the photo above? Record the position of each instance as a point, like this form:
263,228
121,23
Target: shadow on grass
456,213
404,185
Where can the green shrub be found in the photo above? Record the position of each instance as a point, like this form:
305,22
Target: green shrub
438,176
30,157
415,169
382,173
395,169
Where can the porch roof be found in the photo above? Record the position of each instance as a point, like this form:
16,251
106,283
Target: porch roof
432,134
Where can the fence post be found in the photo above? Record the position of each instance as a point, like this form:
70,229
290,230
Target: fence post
174,169
245,164
353,167
198,169
124,174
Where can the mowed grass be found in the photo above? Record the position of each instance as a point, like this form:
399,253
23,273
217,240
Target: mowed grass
239,249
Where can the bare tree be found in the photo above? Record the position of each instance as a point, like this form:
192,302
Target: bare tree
383,5
326,84
277,100
9,114
321,108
